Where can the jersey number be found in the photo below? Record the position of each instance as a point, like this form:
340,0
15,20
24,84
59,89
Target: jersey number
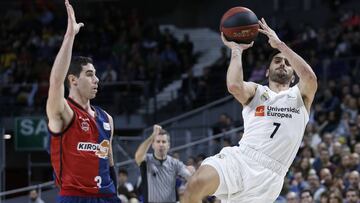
98,181
277,125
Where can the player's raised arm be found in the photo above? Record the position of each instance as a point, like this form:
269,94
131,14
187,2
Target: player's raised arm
243,91
308,80
56,107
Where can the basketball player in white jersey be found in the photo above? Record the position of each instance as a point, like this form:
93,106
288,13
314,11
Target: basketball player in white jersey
274,122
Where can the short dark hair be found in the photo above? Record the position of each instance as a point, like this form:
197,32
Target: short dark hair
351,189
271,56
305,191
77,62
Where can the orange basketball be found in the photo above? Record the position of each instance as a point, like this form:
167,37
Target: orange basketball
239,24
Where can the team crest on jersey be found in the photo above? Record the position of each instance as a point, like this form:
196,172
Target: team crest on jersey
265,96
101,150
260,110
85,126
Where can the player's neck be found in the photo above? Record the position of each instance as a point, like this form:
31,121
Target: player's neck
82,101
277,87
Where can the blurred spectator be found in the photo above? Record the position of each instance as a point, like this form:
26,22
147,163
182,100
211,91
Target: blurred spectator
292,197
330,102
170,61
306,197
335,198
298,183
337,153
109,75
344,167
188,90
355,161
123,180
326,178
203,88
222,125
186,48
343,129
353,180
323,161
34,197
315,187
352,196
304,167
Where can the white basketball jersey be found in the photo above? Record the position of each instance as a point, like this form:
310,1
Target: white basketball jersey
274,123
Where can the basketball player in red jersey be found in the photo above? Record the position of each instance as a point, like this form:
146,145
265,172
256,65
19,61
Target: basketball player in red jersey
81,134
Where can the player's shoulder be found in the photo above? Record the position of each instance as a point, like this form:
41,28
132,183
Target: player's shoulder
253,84
102,111
108,115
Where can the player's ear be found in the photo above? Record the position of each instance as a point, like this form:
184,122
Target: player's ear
72,79
267,72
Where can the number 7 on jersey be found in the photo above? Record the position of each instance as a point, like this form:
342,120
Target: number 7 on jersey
277,125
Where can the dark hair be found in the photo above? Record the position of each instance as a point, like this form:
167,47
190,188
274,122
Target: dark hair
271,56
353,190
324,194
123,171
273,53
305,191
76,65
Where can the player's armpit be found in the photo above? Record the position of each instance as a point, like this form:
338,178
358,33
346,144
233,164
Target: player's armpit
59,118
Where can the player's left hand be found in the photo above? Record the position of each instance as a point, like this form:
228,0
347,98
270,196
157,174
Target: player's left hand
274,40
73,27
233,45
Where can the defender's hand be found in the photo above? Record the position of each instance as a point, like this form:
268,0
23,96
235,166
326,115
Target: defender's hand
73,27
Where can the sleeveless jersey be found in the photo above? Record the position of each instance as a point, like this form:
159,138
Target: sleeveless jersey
274,123
79,154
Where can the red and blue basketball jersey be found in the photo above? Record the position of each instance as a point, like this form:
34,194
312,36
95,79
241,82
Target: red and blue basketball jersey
79,154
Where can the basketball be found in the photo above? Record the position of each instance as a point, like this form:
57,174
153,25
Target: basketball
239,24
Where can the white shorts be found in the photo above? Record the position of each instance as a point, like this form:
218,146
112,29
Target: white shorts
246,175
